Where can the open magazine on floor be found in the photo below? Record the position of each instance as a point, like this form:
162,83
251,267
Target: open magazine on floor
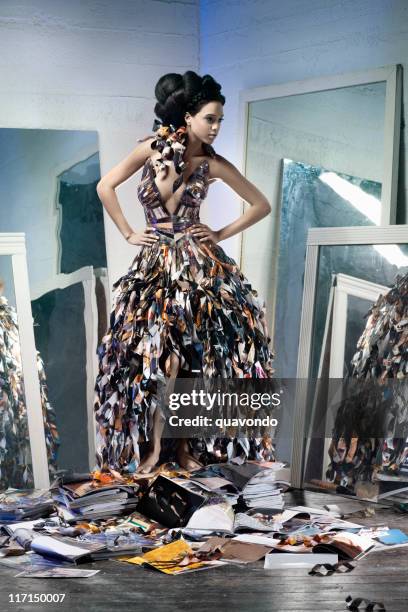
220,518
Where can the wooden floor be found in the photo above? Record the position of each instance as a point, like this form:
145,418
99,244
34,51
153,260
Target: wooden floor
121,586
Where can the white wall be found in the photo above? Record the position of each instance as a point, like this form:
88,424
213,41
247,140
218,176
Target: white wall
92,65
251,43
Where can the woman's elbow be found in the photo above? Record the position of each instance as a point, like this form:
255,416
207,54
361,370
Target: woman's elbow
99,187
266,208
102,187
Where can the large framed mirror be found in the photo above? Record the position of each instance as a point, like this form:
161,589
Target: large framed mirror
48,192
346,272
325,153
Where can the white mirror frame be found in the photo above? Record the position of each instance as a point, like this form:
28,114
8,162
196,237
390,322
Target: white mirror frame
317,237
13,244
347,286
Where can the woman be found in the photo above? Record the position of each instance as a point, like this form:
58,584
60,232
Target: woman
183,305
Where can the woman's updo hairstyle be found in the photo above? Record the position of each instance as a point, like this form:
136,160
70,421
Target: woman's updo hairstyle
178,93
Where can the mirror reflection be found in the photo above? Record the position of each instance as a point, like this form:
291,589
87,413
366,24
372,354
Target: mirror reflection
15,452
312,197
361,401
378,264
50,176
318,156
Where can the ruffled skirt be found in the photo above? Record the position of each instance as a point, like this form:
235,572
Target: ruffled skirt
178,297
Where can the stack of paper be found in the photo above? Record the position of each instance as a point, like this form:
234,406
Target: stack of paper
92,500
63,549
263,491
76,550
22,505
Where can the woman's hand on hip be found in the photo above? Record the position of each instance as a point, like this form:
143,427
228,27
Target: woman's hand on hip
145,237
204,233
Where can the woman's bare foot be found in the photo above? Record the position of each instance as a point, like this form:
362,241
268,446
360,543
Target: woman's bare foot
185,459
149,462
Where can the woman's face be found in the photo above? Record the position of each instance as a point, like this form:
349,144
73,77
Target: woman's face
206,124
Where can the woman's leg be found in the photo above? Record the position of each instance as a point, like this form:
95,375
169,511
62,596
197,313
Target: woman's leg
185,458
151,459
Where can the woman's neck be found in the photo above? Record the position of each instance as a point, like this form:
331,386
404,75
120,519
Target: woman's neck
194,148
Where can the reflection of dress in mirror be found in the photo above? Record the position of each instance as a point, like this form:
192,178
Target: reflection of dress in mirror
183,306
371,427
15,457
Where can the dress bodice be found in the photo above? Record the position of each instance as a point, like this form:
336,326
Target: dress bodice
188,206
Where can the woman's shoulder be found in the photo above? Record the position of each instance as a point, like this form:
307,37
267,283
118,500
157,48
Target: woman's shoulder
220,159
144,146
147,141
218,165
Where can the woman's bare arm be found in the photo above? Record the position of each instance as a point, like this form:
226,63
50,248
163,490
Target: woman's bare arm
120,173
220,168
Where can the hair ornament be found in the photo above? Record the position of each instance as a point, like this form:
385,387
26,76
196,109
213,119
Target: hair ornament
171,143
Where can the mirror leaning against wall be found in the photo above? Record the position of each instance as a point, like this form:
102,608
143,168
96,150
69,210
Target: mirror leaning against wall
50,177
353,350
325,153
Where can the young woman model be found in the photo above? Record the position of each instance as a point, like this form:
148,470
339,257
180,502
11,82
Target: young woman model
183,305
